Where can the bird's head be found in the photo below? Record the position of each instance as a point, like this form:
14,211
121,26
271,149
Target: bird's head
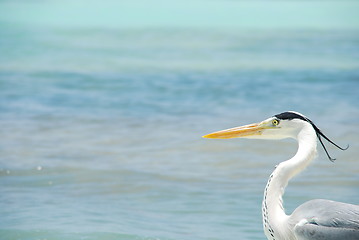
284,125
280,126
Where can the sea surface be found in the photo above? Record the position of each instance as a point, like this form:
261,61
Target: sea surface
101,128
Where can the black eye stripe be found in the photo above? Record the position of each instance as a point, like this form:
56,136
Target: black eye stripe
290,116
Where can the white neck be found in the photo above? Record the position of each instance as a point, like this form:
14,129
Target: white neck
274,217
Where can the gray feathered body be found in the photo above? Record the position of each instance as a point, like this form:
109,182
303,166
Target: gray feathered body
326,220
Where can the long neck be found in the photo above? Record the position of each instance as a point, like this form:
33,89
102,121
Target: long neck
274,217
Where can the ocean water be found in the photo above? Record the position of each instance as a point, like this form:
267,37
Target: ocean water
101,128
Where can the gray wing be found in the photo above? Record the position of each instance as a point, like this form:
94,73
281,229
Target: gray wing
326,220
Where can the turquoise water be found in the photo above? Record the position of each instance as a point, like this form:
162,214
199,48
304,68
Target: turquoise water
101,127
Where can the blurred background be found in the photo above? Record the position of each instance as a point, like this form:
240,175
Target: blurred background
103,105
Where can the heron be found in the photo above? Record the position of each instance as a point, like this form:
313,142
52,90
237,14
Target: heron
315,219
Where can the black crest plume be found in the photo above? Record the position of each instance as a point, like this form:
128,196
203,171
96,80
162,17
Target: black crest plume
320,134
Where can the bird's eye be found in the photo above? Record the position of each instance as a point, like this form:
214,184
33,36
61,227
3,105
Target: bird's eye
275,122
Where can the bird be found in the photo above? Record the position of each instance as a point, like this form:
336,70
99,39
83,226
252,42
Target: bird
317,219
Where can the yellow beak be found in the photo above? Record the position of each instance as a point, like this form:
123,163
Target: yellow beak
237,132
